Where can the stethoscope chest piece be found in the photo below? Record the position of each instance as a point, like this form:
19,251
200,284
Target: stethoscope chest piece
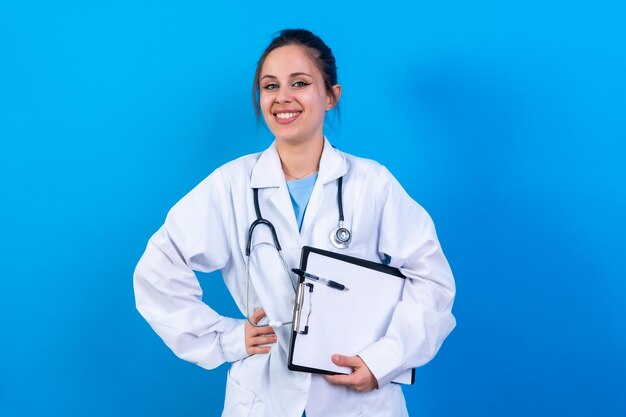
340,237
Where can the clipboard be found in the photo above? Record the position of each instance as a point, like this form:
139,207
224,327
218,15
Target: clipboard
328,320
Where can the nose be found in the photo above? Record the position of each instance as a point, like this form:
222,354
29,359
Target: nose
282,96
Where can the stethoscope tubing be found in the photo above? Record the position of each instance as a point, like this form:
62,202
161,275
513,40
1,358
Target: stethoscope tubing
340,238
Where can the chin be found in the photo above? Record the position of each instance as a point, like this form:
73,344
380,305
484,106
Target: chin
292,140
295,137
283,136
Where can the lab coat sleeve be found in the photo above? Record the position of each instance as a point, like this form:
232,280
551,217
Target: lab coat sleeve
423,318
168,294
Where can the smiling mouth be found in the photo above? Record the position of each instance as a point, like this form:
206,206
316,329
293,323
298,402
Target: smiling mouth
288,115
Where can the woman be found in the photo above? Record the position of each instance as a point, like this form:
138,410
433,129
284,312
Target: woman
297,181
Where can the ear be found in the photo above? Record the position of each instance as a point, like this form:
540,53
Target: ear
332,102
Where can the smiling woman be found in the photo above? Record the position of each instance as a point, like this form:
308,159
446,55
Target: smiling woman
301,188
293,96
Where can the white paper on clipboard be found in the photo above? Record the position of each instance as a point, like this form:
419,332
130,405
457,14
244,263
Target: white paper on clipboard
332,321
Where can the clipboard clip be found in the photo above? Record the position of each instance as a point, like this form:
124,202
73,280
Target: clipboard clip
302,289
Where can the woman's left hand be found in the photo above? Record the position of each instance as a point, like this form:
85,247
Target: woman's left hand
361,378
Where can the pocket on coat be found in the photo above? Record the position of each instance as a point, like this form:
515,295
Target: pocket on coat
239,400
386,402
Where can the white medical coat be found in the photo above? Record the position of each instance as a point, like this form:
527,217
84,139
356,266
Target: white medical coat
206,231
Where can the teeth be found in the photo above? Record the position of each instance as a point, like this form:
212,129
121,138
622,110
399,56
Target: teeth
286,115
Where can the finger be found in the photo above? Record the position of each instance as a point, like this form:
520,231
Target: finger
355,381
341,379
259,350
265,330
350,361
262,340
257,315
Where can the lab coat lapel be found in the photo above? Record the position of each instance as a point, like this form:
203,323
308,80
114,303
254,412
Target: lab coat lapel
267,172
270,280
268,175
332,166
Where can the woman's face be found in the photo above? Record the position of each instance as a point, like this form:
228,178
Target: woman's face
293,97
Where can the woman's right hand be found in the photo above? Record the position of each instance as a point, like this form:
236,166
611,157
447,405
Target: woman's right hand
258,338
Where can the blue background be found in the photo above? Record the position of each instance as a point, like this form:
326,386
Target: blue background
505,120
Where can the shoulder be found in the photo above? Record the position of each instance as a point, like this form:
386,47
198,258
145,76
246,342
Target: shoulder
239,167
368,169
379,181
231,173
219,183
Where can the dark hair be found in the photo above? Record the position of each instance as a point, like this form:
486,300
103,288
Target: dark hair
319,52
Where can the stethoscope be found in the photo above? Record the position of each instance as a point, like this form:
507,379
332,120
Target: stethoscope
340,238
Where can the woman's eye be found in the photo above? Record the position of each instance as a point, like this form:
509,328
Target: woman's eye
271,86
299,84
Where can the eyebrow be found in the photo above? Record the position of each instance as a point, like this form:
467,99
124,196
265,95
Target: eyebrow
292,75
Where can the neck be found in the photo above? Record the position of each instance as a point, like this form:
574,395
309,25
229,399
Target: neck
300,160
